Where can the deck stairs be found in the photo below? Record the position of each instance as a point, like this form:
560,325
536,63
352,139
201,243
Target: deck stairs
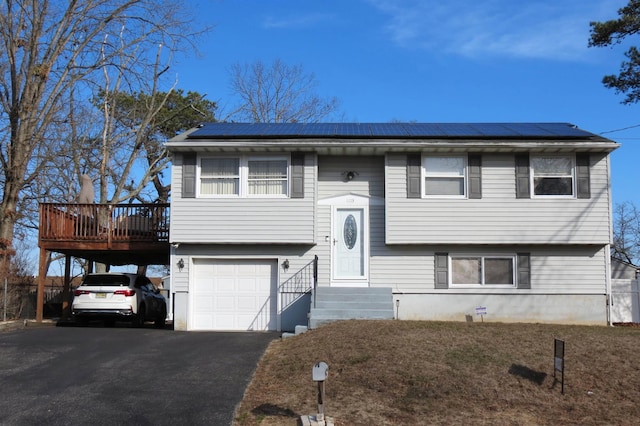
343,303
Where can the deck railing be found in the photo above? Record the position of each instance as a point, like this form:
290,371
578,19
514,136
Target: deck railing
102,222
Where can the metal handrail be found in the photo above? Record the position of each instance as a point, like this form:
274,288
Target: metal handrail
300,283
315,279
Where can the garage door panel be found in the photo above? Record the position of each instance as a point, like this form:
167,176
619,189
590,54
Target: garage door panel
225,304
247,285
225,285
239,294
204,303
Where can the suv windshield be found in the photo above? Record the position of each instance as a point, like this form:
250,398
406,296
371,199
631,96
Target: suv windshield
115,280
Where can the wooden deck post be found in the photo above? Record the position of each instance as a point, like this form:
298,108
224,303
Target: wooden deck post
66,290
42,276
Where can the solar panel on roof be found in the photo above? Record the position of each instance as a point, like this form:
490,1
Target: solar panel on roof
493,129
282,129
530,129
352,129
319,129
418,130
457,129
388,129
566,129
423,129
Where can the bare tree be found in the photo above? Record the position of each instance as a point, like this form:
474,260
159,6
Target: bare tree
277,94
626,233
54,53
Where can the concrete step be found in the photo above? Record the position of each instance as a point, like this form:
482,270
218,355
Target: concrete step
352,304
344,303
328,291
339,313
299,329
316,322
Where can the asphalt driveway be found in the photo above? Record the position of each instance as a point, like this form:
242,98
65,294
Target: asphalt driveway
122,375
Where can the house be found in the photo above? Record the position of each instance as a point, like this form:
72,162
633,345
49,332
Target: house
511,220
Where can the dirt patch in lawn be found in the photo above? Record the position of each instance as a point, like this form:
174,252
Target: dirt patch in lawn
411,373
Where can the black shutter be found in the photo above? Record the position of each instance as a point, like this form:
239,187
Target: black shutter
189,164
414,169
583,176
522,176
442,270
475,175
297,175
524,270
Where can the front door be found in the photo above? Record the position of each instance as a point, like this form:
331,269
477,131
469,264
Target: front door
350,247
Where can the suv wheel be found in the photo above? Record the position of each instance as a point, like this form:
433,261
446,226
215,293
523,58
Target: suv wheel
160,320
139,319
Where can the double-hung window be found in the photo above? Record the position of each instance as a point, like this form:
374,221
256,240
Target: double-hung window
483,270
244,176
220,176
267,176
553,175
444,176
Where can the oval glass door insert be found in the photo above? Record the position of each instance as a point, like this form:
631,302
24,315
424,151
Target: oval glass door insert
350,231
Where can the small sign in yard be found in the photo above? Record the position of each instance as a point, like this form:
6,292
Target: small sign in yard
482,311
558,360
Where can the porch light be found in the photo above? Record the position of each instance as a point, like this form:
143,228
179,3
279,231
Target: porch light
349,175
180,264
285,265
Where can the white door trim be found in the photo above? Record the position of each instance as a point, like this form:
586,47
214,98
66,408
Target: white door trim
350,202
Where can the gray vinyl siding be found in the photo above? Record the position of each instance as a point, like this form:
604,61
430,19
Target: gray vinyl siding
559,270
410,269
298,257
499,217
323,248
331,182
368,182
578,270
244,220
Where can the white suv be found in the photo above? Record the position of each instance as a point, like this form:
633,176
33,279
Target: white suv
115,297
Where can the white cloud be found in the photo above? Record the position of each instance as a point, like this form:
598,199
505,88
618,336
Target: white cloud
541,29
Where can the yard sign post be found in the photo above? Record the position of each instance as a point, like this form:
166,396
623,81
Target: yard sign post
558,365
482,311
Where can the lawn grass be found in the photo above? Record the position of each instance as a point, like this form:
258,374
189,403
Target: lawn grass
414,373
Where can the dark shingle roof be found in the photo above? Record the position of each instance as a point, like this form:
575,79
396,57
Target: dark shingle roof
390,130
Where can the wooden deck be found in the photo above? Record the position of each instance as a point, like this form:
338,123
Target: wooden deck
114,234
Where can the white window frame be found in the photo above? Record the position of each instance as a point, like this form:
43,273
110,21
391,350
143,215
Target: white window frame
482,257
200,177
532,176
271,158
427,174
243,174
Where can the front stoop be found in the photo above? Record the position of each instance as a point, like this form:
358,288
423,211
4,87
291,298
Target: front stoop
343,303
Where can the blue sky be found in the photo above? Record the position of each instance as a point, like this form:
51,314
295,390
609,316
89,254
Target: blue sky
432,61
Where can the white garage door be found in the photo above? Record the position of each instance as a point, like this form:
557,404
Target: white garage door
234,295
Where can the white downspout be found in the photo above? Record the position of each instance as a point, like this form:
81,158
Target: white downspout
609,295
607,254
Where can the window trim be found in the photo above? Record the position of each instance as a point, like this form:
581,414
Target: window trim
514,271
553,196
245,181
200,177
424,175
243,176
